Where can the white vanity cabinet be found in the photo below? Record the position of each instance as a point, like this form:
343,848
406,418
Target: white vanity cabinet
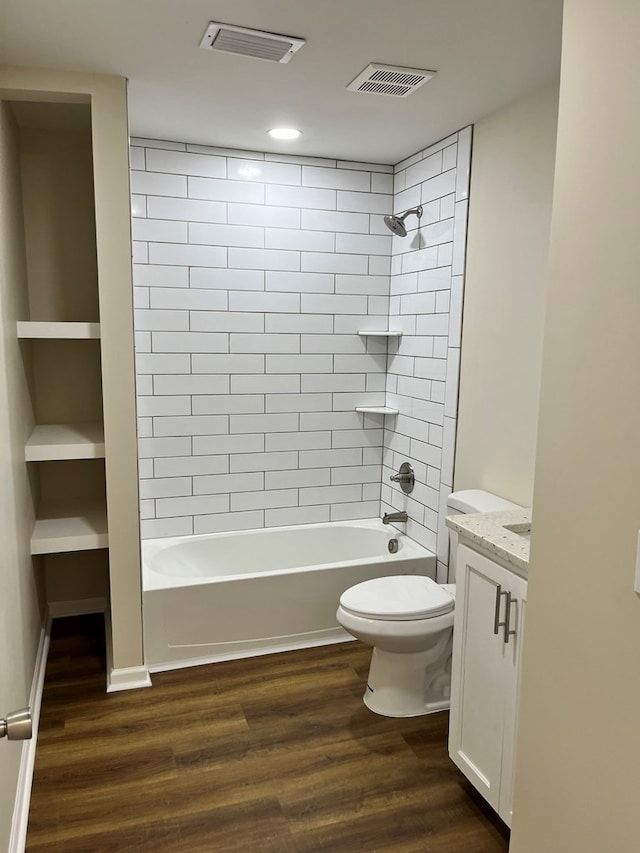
487,649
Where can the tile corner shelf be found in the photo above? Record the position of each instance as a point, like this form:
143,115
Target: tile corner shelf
50,442
63,530
377,410
372,333
70,331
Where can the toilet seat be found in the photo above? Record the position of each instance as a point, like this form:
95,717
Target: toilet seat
397,598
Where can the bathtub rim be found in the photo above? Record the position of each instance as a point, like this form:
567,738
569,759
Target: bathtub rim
153,581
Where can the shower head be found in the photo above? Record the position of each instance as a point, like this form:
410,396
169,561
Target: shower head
396,225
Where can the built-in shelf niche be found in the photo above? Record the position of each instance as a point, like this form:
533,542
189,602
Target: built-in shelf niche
73,152
70,496
378,333
56,163
73,576
60,334
66,384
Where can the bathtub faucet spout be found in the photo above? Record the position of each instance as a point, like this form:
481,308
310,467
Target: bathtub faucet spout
390,517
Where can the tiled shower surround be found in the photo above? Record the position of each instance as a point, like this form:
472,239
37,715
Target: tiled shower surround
253,275
427,283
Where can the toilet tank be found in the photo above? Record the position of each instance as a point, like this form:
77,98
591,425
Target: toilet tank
468,501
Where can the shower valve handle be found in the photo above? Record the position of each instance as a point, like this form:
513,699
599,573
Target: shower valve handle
405,477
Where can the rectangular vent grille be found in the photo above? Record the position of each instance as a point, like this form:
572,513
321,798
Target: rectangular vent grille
389,80
244,42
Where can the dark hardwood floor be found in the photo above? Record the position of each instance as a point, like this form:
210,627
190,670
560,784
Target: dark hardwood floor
273,754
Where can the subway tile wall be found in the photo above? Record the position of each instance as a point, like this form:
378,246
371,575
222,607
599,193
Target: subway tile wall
253,274
427,283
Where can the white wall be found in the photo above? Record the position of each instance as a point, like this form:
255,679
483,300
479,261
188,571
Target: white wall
509,219
20,619
577,768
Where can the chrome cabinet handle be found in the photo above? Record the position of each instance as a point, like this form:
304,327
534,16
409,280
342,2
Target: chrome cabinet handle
508,630
497,624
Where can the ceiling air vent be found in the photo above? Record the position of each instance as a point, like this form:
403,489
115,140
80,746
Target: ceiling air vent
389,80
239,40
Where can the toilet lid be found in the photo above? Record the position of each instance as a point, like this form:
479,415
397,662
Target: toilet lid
397,597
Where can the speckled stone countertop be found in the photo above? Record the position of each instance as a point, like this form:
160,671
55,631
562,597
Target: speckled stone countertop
487,531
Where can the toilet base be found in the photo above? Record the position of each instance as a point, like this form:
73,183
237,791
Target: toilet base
409,684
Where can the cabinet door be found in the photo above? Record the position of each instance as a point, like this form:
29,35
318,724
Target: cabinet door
512,657
483,669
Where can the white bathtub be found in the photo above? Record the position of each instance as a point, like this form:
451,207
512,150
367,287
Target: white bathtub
231,595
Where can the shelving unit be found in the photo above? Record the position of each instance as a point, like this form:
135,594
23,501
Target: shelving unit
70,528
364,333
38,329
72,304
65,441
71,510
66,448
61,350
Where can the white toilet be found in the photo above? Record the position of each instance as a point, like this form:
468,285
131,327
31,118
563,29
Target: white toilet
408,619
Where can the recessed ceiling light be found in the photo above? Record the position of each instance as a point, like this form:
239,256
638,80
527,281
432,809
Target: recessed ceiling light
285,133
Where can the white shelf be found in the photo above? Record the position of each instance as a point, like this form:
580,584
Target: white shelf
65,441
377,410
72,529
379,334
41,329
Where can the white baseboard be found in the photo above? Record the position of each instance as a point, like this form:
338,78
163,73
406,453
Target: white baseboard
126,678
20,819
77,607
131,678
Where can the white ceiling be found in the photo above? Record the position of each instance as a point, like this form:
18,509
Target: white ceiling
486,53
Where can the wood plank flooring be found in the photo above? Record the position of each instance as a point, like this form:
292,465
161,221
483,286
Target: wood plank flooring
274,754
